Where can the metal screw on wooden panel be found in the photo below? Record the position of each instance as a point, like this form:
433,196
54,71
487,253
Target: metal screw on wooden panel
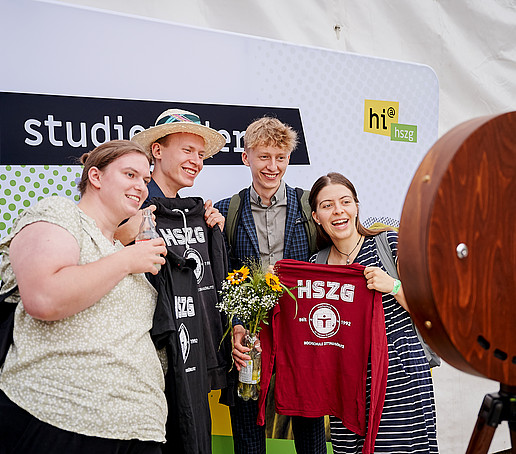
426,178
462,251
428,324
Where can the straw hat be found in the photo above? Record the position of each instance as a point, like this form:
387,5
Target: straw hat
176,120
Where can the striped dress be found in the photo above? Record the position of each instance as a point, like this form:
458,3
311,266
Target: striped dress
408,418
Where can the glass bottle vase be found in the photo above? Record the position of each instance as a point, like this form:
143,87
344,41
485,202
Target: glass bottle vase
249,376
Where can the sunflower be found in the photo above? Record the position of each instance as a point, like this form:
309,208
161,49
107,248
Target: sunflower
238,276
273,282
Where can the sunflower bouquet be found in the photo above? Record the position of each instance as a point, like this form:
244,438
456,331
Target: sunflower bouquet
248,294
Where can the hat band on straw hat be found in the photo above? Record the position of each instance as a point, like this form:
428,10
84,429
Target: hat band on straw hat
174,121
175,118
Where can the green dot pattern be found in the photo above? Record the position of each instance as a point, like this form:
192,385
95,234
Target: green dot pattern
22,186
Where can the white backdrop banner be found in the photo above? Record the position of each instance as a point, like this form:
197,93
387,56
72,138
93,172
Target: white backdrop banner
101,76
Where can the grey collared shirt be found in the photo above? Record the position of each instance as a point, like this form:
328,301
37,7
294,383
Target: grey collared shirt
270,224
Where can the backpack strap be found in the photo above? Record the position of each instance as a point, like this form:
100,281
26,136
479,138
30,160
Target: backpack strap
306,216
385,254
235,212
232,219
322,255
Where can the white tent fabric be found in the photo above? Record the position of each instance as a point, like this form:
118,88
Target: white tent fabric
470,46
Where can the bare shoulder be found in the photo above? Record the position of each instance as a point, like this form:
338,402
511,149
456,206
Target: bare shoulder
43,243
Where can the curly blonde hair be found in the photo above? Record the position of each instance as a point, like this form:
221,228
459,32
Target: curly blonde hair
270,132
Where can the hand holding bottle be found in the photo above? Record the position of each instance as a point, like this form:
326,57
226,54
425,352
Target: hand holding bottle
146,256
148,231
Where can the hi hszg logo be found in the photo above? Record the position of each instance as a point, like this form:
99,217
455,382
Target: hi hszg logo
381,117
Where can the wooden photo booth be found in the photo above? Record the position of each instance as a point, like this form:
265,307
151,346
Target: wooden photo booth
457,258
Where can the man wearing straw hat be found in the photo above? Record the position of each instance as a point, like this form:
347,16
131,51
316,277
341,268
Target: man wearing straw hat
179,144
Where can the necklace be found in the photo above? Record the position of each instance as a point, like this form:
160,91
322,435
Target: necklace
351,252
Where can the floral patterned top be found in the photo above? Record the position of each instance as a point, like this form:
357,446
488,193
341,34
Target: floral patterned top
97,372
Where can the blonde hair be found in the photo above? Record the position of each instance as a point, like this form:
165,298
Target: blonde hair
270,132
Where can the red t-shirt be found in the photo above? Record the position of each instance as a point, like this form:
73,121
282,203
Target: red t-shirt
321,348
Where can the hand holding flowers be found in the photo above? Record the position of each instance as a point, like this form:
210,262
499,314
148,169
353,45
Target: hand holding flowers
248,294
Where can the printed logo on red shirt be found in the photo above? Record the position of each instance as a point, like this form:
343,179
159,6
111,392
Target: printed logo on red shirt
324,320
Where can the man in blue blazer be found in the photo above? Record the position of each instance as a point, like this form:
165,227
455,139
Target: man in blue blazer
269,226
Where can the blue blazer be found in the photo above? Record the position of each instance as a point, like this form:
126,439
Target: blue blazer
246,240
